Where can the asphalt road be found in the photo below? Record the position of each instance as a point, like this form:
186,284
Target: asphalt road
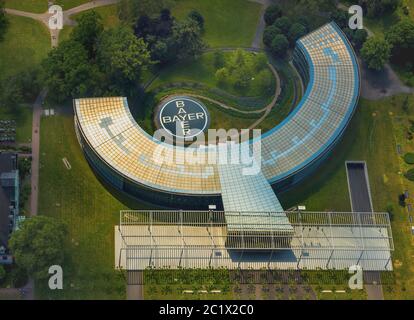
358,186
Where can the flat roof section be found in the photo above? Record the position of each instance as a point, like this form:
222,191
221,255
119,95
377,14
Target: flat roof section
251,194
358,185
199,239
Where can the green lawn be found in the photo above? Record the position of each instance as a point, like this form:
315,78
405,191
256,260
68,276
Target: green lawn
26,43
37,6
371,136
109,19
90,210
230,23
67,4
23,118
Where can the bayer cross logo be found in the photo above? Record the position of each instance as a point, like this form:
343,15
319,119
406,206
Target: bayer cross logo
183,117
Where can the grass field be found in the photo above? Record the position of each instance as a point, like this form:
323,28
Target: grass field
67,4
26,43
78,198
222,28
371,137
109,19
23,118
36,6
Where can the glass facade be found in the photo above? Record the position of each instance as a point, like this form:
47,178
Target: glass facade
126,156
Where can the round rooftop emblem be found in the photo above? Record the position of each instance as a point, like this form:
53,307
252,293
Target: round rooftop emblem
183,117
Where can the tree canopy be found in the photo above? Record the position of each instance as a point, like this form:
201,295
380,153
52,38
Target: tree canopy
279,45
270,33
3,21
296,31
186,39
130,10
39,244
242,69
88,31
376,52
68,73
401,38
272,13
197,17
123,55
376,8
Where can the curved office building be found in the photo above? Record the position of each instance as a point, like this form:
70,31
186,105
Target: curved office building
123,153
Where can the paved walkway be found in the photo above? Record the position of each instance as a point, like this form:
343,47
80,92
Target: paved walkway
257,40
44,17
37,113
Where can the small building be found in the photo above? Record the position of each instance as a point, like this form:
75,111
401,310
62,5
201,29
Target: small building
9,202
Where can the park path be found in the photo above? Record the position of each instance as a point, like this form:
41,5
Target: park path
257,40
37,113
67,21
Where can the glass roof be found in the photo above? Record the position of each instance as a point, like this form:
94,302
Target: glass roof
316,123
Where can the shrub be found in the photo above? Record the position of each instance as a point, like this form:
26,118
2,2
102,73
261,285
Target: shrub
279,45
409,158
2,273
197,17
410,175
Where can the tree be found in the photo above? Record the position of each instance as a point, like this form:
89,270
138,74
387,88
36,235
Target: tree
197,17
11,94
270,33
222,75
88,30
376,8
3,21
122,55
186,39
359,37
409,158
296,31
130,10
340,17
39,244
410,176
401,37
69,73
2,272
406,105
279,45
283,24
272,13
219,60
376,53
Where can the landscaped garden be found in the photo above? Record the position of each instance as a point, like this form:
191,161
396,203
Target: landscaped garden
236,86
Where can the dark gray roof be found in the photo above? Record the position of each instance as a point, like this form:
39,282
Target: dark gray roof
8,163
